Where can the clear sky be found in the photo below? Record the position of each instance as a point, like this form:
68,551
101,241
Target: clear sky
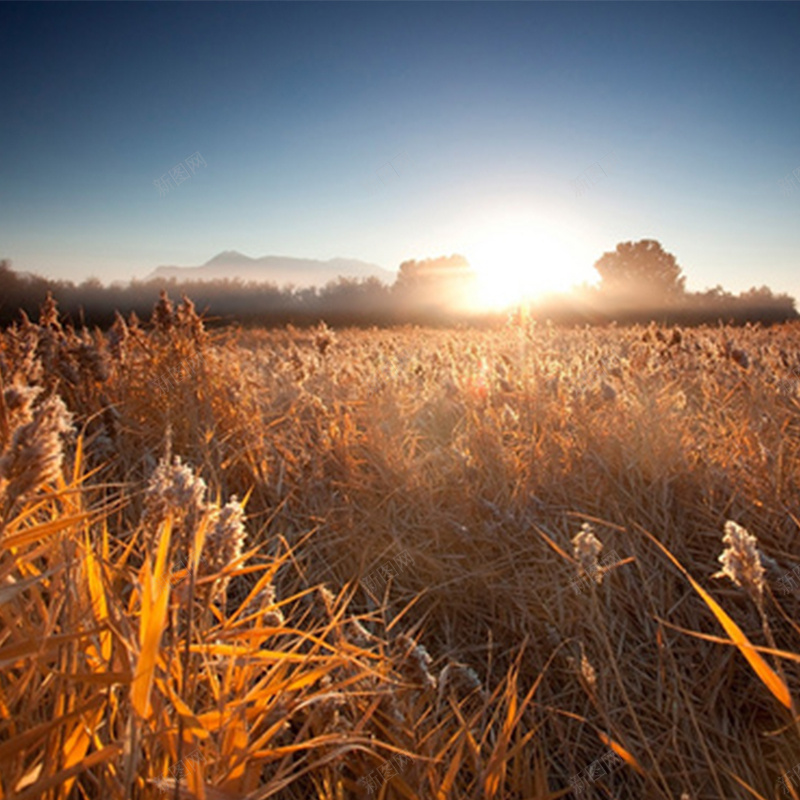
385,131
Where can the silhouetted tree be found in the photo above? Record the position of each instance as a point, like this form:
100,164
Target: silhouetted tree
432,271
434,285
641,270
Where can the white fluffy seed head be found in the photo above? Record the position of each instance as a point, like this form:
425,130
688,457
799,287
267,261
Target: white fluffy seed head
741,560
586,548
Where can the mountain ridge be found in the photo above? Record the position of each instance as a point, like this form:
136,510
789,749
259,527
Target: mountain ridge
281,270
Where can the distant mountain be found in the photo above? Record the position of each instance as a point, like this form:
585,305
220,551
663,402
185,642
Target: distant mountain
281,270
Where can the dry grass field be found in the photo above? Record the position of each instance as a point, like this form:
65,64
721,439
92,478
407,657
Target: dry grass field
398,563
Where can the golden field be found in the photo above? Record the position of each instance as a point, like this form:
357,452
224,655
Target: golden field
400,563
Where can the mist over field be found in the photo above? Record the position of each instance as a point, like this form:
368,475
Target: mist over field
399,400
639,282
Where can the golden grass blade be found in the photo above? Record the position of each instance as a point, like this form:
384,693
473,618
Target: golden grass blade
191,722
402,788
747,787
279,784
308,678
497,764
77,743
624,754
155,601
766,674
37,532
99,604
98,678
443,792
563,553
39,789
78,460
18,744
257,656
621,751
234,749
194,781
15,653
707,637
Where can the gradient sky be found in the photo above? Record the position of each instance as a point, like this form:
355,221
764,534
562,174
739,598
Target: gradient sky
493,109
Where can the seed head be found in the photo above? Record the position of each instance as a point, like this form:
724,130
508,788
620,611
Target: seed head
261,605
189,320
48,313
413,661
118,337
164,316
741,561
35,454
19,400
459,678
225,538
174,489
586,547
588,672
91,362
323,338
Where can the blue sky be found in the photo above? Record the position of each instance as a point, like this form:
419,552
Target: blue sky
681,119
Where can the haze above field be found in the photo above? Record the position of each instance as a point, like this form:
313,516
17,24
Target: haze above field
529,137
281,270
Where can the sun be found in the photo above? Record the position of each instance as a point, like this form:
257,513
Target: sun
520,258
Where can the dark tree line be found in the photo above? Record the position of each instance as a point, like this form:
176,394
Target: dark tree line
425,292
639,282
